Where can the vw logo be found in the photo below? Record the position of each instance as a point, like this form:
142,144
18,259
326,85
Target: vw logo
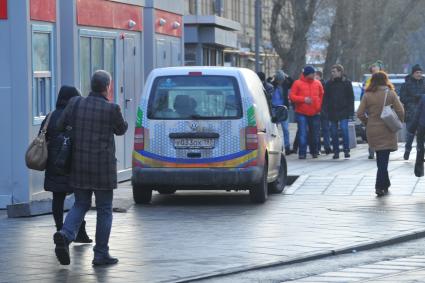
194,126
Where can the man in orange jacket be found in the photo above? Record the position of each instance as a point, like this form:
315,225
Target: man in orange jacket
307,96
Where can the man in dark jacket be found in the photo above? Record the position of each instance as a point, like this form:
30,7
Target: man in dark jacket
339,105
94,166
282,83
268,87
410,94
324,121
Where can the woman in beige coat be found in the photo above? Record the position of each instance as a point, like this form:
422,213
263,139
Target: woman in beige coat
380,138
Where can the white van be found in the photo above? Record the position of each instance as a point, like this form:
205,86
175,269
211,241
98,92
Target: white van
207,128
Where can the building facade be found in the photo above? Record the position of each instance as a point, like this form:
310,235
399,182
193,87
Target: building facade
237,20
49,43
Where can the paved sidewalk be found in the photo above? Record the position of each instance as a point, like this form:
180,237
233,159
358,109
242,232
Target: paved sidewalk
409,269
193,234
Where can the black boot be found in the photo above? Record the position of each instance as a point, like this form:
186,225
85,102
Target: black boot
288,151
82,236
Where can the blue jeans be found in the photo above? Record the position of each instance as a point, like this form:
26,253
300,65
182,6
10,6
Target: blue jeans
285,129
324,124
308,124
104,218
343,124
409,138
382,178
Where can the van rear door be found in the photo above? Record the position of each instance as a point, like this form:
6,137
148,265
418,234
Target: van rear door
195,120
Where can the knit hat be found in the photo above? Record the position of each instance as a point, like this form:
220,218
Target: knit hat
280,75
416,68
308,70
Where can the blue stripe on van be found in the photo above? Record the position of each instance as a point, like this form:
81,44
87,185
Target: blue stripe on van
194,161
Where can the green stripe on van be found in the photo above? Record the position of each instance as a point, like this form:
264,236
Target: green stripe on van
139,118
251,116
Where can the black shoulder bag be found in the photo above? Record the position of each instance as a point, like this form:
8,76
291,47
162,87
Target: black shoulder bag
64,157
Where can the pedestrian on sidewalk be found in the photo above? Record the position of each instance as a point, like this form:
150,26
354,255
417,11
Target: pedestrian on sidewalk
55,181
417,125
282,84
324,121
373,69
94,166
338,102
410,95
268,87
307,94
380,138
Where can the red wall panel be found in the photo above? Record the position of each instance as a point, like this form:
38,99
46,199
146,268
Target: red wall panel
43,10
3,9
168,28
102,13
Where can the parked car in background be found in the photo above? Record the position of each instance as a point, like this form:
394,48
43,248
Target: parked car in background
207,128
360,128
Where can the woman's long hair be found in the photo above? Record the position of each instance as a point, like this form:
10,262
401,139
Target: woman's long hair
379,79
65,94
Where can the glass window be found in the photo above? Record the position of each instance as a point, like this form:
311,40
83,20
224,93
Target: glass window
41,51
195,97
42,75
85,68
96,54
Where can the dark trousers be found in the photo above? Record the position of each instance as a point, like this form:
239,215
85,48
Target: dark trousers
409,137
57,209
419,165
382,177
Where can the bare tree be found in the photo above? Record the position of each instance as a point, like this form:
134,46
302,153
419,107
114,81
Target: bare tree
290,23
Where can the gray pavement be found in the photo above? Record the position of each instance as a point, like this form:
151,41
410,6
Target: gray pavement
192,234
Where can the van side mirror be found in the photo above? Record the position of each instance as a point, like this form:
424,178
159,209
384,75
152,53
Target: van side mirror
280,114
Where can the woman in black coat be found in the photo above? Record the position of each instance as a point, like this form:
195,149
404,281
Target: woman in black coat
54,181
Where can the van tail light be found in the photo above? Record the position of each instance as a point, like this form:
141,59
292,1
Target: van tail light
139,138
251,138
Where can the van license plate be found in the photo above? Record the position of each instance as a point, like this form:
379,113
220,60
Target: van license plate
194,143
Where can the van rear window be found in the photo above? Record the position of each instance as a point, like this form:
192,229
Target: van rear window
195,97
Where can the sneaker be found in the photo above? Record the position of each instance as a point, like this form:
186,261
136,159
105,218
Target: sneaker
371,156
62,248
380,192
347,155
288,151
336,156
302,157
406,155
315,155
107,260
328,151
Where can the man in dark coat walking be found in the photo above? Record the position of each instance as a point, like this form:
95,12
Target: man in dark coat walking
94,166
338,103
410,95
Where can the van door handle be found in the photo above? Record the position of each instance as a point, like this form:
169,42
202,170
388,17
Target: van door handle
274,136
263,131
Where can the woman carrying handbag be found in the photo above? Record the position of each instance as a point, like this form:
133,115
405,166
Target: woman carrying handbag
55,180
381,135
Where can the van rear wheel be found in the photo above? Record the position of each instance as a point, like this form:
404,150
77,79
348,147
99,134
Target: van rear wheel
278,186
142,195
258,193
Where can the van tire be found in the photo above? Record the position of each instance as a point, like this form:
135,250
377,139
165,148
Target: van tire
279,184
142,195
259,192
166,191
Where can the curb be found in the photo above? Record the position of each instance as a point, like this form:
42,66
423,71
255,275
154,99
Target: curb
409,236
